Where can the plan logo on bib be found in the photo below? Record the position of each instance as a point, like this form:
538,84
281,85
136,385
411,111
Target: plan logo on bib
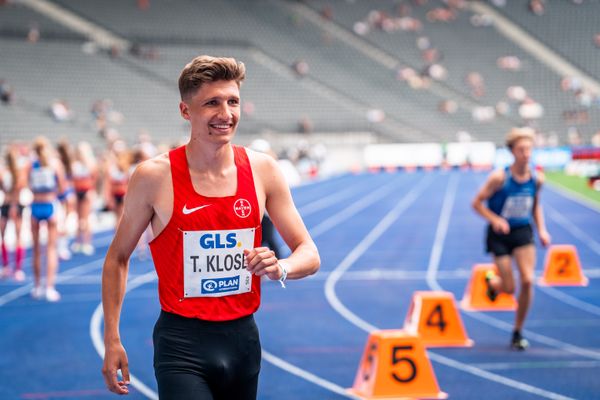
242,208
220,285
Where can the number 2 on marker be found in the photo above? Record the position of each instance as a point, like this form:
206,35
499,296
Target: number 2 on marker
562,260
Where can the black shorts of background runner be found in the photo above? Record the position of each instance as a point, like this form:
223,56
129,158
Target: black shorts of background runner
212,360
503,245
5,207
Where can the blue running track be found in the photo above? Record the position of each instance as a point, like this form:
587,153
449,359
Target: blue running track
381,237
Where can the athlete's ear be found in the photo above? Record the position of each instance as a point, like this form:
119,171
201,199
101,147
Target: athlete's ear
184,110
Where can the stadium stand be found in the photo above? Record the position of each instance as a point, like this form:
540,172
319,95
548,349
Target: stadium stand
343,86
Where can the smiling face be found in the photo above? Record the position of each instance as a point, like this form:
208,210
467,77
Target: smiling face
213,111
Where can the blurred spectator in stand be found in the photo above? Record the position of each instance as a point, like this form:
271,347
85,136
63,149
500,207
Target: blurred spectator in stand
305,125
597,40
403,9
574,137
327,13
578,117
516,93
530,109
596,139
509,63
443,14
435,71
503,108
143,5
448,107
61,111
6,92
248,108
33,34
301,68
144,52
537,7
375,116
475,83
481,20
431,55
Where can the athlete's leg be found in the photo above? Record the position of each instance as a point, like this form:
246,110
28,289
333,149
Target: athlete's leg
525,260
237,376
19,250
52,252
84,209
3,223
35,236
181,385
504,282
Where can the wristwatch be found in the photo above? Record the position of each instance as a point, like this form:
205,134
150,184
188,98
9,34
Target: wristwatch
284,272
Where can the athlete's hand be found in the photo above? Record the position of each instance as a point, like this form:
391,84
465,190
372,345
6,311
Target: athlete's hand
115,358
262,261
545,238
500,225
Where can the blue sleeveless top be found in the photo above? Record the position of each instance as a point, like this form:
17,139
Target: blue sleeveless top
514,201
42,179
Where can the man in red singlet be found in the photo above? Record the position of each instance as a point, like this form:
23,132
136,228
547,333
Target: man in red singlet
204,202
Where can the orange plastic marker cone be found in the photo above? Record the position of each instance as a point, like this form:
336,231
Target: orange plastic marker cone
475,298
394,365
562,267
433,316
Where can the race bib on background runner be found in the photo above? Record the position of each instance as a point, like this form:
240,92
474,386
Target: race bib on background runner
517,207
213,262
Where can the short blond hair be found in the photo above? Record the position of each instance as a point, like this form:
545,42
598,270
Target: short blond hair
519,133
204,69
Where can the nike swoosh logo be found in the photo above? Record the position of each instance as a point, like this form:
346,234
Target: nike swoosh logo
187,211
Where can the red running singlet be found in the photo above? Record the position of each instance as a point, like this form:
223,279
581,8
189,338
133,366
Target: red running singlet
199,254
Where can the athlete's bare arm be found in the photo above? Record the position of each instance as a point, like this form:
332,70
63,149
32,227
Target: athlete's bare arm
143,190
538,212
274,193
491,185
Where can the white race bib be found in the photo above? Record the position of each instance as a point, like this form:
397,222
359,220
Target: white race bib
213,262
517,207
42,178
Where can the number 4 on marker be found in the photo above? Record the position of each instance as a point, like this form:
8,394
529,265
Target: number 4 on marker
436,318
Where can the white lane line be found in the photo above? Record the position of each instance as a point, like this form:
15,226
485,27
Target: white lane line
98,342
538,365
573,229
340,308
573,195
440,234
353,209
325,202
570,300
374,274
359,250
299,372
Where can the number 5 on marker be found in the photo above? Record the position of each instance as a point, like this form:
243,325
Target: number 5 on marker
395,364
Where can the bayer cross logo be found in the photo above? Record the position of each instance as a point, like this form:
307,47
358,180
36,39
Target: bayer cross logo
242,208
209,285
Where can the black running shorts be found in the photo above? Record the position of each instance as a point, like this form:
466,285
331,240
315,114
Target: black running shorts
503,245
212,360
